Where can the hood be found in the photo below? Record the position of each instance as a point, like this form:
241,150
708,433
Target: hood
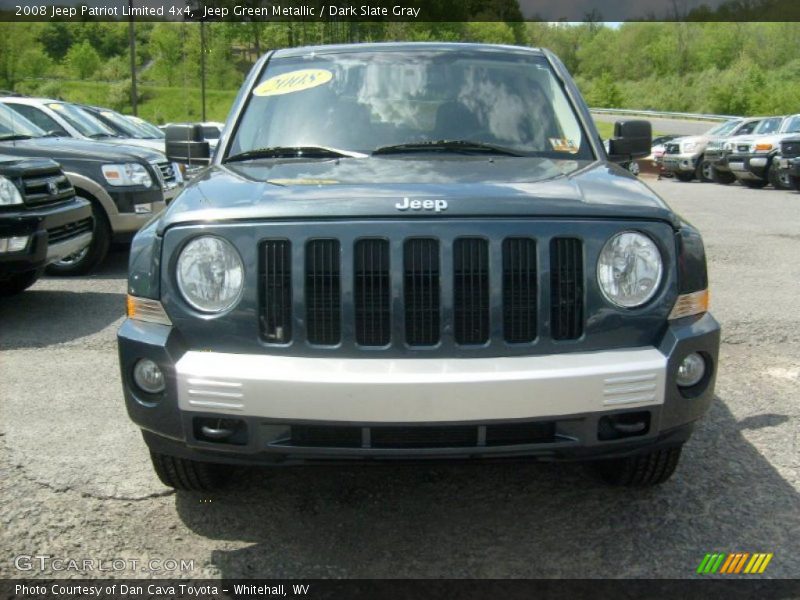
16,166
77,149
379,187
157,145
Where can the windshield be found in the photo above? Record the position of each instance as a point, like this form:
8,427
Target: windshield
150,129
770,125
361,101
14,124
81,120
792,125
724,128
121,125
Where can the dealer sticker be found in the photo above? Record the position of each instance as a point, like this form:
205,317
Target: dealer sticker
563,145
293,81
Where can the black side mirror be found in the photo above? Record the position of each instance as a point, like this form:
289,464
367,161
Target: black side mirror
632,139
186,144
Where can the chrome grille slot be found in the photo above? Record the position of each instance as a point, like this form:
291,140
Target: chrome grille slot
276,283
372,292
566,288
421,291
471,290
519,290
323,290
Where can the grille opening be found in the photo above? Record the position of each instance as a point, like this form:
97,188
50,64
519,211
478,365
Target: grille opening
471,290
46,188
276,283
423,437
520,433
372,292
421,291
69,231
615,427
323,302
324,436
520,288
566,288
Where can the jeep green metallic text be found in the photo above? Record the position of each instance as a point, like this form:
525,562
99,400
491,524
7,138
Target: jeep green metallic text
408,251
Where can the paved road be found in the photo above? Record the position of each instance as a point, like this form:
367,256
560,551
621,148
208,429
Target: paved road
75,481
675,126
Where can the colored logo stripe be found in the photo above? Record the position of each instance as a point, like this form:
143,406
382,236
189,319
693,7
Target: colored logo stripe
734,563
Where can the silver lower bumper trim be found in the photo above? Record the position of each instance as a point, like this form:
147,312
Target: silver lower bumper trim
419,390
59,250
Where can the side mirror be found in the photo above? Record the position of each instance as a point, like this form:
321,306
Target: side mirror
632,139
186,144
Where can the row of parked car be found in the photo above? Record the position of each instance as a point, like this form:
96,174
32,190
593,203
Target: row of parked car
73,180
756,151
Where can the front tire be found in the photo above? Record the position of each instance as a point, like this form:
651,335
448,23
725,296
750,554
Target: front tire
794,181
684,176
18,283
189,475
723,177
780,181
86,260
705,171
641,470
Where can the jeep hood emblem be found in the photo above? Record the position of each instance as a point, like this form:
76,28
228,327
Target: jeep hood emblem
434,205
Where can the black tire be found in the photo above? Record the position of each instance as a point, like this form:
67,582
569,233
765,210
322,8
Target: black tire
704,172
189,475
85,261
18,283
723,177
641,470
682,176
778,181
794,180
754,184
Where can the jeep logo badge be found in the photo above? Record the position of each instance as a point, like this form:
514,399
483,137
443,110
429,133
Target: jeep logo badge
434,205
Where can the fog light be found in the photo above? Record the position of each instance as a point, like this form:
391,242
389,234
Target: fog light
691,370
14,244
143,209
148,376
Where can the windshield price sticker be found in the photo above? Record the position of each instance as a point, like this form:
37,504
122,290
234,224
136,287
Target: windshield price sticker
564,145
293,81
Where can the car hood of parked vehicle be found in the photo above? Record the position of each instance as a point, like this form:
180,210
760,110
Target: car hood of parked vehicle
154,144
12,166
71,148
381,187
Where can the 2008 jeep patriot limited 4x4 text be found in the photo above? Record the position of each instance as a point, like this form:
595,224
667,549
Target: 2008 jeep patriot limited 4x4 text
407,251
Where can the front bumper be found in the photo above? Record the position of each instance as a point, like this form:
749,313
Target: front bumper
36,223
290,409
718,158
749,166
679,163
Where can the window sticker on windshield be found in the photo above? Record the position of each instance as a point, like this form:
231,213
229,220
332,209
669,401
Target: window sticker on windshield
105,113
293,81
56,106
563,145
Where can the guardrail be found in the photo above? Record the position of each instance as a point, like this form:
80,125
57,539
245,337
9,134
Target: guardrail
660,114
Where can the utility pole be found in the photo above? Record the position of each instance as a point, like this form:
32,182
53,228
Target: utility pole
132,44
203,66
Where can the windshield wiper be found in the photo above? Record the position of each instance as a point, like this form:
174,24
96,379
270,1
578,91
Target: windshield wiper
465,146
294,152
14,137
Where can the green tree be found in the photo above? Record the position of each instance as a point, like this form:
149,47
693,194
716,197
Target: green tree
83,60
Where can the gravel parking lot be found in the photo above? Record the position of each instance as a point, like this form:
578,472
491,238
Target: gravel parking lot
75,480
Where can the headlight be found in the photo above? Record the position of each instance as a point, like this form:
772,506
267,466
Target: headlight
629,269
689,146
727,146
210,274
127,174
9,194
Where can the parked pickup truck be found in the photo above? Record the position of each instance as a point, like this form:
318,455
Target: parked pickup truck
789,161
125,185
685,157
408,251
753,162
41,220
718,149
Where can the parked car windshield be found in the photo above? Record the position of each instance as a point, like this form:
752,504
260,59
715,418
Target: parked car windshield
792,125
121,125
14,124
724,128
770,125
361,101
149,128
81,120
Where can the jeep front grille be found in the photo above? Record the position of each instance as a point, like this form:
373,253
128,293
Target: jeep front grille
443,291
790,148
